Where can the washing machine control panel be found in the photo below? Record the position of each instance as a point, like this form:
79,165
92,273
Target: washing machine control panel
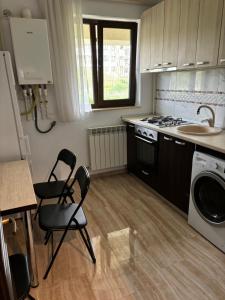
209,163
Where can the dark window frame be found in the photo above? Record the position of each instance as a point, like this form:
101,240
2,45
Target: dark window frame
98,60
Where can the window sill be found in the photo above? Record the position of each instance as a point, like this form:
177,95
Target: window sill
115,108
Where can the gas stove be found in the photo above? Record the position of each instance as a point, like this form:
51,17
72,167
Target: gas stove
162,121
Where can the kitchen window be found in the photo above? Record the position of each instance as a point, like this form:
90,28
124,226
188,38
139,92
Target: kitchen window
110,50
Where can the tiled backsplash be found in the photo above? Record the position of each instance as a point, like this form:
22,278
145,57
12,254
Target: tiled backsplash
180,93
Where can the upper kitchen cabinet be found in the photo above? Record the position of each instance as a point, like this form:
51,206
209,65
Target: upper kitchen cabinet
157,28
171,33
210,17
145,58
188,33
221,59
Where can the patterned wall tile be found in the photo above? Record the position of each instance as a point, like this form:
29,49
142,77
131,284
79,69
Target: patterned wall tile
180,93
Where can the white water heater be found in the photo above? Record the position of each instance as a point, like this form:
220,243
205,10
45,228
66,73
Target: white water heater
31,50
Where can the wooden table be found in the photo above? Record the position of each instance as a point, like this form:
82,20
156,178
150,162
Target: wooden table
17,196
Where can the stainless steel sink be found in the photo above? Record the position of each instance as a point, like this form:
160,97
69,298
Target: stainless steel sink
195,129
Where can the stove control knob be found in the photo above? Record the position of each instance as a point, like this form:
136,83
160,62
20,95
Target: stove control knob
145,133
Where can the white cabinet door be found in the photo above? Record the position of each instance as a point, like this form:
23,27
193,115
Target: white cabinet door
171,33
157,28
210,17
221,59
145,42
188,33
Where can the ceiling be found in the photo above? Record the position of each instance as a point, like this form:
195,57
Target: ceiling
140,2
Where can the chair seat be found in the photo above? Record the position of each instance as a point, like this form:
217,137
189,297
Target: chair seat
57,216
20,275
52,189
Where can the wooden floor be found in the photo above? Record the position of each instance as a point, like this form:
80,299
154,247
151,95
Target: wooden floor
144,250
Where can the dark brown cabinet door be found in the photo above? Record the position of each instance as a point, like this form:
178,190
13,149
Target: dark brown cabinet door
175,163
131,148
166,148
182,173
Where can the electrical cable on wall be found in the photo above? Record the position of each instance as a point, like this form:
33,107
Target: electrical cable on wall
52,124
36,103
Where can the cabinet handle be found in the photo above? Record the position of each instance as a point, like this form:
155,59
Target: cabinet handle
144,140
145,173
146,69
201,63
167,63
180,143
222,60
157,65
188,64
167,139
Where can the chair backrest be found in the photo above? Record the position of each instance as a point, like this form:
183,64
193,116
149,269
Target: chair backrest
67,157
83,178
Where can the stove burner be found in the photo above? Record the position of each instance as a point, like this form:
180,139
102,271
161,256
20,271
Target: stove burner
167,121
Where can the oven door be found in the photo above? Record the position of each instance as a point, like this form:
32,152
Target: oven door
146,150
208,194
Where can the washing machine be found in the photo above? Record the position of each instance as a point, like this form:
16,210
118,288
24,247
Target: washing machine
207,198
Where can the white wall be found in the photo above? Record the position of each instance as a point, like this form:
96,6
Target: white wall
113,9
73,135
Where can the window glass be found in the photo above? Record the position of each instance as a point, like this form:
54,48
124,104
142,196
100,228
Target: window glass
116,62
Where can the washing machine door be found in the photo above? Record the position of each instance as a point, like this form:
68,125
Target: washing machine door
208,195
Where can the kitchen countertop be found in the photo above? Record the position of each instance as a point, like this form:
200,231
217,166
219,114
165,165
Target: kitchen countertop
214,142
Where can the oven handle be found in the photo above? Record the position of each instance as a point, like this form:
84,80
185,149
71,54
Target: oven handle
144,140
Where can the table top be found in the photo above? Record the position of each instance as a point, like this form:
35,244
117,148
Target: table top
16,187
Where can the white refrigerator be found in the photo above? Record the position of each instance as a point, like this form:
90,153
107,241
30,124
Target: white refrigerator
14,145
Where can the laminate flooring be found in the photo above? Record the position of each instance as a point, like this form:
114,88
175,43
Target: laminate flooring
144,249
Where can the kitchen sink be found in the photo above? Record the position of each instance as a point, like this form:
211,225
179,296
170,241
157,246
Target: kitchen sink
196,129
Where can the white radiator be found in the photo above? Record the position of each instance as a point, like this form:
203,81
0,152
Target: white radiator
108,147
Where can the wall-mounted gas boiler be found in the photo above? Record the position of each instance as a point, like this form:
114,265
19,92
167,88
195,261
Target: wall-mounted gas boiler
31,50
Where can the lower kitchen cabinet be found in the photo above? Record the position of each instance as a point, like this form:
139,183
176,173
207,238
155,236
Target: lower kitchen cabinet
171,177
174,173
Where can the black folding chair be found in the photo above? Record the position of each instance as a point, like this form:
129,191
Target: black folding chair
20,276
67,216
57,188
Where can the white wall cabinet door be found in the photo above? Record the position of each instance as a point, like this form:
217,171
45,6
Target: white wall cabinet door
188,33
145,57
221,58
171,33
210,17
157,28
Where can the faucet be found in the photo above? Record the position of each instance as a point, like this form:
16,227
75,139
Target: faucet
211,121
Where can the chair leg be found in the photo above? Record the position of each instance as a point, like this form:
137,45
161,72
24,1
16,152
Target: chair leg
30,297
88,244
55,254
64,200
47,237
38,209
71,198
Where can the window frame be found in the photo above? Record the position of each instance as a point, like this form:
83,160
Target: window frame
98,62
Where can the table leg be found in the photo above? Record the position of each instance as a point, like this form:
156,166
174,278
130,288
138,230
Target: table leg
30,249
